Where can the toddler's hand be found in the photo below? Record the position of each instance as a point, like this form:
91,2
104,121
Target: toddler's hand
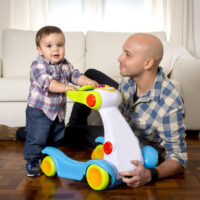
94,83
70,87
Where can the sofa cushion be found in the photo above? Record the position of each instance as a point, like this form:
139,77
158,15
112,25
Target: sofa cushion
173,52
186,72
104,48
14,89
13,113
19,50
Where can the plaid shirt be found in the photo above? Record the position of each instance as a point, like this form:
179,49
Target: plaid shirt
41,74
156,118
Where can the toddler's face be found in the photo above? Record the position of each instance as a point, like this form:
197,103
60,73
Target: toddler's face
52,47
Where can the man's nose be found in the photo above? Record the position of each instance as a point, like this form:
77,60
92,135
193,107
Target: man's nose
120,58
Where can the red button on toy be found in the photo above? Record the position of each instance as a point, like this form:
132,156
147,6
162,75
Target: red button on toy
91,100
101,86
107,147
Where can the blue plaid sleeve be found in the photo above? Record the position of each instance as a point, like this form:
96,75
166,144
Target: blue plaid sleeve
172,132
121,107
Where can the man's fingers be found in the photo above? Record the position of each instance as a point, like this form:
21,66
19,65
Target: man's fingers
131,179
127,173
136,162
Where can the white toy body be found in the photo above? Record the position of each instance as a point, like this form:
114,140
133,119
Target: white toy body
125,145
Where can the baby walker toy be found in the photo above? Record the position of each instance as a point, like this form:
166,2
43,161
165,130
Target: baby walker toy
118,146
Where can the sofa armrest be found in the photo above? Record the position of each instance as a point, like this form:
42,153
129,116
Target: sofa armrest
187,73
1,74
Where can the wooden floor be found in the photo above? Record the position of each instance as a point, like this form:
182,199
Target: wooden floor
14,184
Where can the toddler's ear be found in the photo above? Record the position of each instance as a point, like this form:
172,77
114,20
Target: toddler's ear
39,51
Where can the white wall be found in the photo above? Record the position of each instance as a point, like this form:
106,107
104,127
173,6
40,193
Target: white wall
4,19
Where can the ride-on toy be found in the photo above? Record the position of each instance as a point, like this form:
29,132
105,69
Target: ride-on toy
118,146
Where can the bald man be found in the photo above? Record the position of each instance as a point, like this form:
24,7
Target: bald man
152,106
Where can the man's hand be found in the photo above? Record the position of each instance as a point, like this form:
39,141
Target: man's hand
139,176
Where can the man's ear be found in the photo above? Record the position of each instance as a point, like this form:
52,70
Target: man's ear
149,63
39,51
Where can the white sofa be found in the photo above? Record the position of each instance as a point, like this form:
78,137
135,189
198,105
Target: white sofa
98,50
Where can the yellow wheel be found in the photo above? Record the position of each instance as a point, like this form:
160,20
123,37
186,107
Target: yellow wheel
48,167
98,152
97,177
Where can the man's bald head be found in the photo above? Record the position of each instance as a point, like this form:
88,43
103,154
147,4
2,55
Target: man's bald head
150,46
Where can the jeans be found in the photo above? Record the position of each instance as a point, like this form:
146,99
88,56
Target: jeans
41,132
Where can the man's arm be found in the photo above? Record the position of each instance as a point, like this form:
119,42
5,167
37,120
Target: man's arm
169,168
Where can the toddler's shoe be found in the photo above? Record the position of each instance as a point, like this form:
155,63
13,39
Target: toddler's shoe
33,167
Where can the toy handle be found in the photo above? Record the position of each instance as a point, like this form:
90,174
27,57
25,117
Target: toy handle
86,88
90,98
91,87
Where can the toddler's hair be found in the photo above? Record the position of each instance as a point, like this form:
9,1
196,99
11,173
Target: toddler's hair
45,31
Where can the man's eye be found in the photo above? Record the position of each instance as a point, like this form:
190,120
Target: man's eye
60,45
127,53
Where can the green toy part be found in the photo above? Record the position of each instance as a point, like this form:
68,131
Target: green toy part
86,88
91,98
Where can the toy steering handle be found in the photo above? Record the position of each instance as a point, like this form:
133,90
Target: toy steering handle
87,96
86,88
